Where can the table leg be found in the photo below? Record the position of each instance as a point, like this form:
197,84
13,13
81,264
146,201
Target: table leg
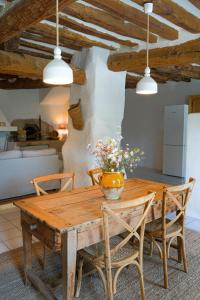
27,247
69,251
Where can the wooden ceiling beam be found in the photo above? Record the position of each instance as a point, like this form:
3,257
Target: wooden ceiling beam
67,35
26,13
175,14
49,40
137,17
190,72
11,45
34,53
163,76
29,66
65,56
23,83
7,76
108,21
131,81
186,53
70,23
195,3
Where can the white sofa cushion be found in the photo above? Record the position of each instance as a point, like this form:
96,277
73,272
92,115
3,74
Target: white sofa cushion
35,153
10,154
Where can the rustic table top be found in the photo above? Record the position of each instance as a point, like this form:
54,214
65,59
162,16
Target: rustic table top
65,210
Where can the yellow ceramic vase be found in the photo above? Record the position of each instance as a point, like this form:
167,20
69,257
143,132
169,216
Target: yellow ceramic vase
112,184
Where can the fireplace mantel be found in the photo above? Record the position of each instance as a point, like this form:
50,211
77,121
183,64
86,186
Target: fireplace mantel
8,128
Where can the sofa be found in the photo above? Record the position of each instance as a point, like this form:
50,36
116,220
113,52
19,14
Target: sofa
19,167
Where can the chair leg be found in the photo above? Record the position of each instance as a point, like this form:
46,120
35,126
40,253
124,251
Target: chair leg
142,286
79,280
140,271
164,256
179,247
44,257
151,248
109,284
184,255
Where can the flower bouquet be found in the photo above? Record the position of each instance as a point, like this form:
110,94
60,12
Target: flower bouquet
113,160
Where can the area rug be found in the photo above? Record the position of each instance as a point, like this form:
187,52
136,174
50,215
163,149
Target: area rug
181,286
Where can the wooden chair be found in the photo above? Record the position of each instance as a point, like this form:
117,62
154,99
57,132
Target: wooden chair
164,230
69,180
68,177
117,252
94,175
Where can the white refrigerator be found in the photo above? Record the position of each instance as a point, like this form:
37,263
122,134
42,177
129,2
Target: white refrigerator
175,140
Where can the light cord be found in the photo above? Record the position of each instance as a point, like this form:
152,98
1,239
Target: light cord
147,40
57,25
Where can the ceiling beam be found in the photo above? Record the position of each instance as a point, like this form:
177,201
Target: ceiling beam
65,56
195,3
175,14
108,21
32,67
131,81
70,23
190,72
7,76
23,83
11,45
131,14
49,40
34,53
26,13
67,35
186,53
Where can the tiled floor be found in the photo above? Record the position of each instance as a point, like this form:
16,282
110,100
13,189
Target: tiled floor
10,228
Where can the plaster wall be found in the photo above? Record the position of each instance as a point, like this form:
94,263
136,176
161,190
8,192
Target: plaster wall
143,118
102,103
51,104
18,104
54,105
193,162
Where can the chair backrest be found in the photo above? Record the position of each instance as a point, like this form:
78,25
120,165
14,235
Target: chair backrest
139,208
94,175
68,179
179,196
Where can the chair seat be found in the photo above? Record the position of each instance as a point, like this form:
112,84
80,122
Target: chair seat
95,253
155,228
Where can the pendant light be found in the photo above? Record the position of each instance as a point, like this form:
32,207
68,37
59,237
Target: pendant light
57,71
147,85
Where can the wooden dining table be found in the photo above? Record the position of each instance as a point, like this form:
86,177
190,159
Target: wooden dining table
75,219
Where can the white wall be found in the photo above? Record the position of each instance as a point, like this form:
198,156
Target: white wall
143,117
54,105
51,104
193,162
102,103
17,104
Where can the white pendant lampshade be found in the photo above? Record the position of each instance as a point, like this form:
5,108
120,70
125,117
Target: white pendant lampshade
57,71
147,85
